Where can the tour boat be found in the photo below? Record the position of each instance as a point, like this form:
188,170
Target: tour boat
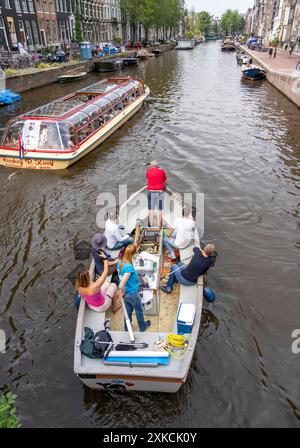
150,367
60,133
253,72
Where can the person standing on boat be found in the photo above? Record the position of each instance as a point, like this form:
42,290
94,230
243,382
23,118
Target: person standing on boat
156,179
182,235
188,275
114,233
129,288
99,295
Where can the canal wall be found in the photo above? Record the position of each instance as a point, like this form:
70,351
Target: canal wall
33,78
287,82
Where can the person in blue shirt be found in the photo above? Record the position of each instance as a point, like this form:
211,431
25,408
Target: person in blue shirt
129,288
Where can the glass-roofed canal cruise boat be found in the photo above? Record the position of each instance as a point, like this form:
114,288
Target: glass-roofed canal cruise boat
60,133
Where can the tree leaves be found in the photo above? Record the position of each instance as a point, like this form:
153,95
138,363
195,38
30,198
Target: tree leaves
8,412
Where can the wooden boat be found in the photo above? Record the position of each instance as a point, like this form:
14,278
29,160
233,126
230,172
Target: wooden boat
157,52
143,55
185,45
253,72
130,61
110,65
71,77
228,45
60,133
143,369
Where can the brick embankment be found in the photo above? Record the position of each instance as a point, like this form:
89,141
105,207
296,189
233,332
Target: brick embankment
32,78
281,72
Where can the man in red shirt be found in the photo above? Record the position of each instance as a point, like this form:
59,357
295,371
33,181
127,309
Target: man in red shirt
157,179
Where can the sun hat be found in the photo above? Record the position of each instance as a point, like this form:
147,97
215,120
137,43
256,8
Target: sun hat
154,163
99,241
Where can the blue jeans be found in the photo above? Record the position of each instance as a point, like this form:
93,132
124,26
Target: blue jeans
169,244
122,244
177,276
133,302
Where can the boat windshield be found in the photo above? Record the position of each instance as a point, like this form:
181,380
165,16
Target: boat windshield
40,135
79,119
10,139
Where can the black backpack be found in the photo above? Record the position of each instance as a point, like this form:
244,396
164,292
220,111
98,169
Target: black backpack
102,343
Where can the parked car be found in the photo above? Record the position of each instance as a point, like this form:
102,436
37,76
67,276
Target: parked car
137,45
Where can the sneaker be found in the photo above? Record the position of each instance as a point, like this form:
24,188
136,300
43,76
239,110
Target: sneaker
166,289
148,323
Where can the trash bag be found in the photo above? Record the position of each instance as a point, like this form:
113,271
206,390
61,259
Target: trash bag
102,343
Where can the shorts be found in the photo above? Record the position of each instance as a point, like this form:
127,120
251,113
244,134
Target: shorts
155,200
108,291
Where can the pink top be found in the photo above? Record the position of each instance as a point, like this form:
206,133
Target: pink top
95,300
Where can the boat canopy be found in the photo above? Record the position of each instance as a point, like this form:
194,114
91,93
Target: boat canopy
65,123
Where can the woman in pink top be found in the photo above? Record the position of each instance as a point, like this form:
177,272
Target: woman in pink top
98,295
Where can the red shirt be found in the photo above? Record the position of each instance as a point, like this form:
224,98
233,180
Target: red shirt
156,178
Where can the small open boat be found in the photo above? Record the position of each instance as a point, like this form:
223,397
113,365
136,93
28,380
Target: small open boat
186,44
130,61
157,52
143,55
58,134
149,368
110,65
71,77
253,72
228,45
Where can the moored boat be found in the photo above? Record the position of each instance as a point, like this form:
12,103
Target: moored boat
150,367
253,72
71,77
228,45
110,65
60,133
157,52
186,44
130,61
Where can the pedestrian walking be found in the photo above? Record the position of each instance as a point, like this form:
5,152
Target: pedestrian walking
292,48
298,66
270,52
275,51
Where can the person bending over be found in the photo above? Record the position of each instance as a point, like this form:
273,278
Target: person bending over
182,235
188,275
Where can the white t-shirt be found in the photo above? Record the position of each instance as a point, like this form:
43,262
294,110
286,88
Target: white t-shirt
113,233
184,228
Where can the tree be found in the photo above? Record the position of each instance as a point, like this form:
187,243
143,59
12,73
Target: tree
203,21
232,22
78,31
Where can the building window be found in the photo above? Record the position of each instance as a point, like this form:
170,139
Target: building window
30,6
12,30
45,6
18,6
35,33
3,37
7,4
29,39
24,6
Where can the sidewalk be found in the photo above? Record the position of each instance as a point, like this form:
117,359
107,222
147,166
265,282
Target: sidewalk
283,63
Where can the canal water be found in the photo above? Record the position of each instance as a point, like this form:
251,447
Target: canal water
237,143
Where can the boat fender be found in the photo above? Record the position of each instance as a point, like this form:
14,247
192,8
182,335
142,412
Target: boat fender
209,295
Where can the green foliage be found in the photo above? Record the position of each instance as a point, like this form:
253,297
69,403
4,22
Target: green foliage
153,13
78,30
8,413
198,23
232,22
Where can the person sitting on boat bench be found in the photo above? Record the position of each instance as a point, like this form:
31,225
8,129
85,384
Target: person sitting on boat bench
114,233
99,242
99,295
182,235
129,288
156,178
188,275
